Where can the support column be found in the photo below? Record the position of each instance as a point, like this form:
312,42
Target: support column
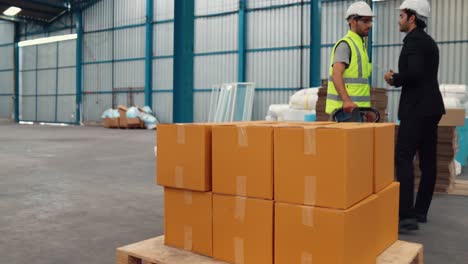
315,43
149,54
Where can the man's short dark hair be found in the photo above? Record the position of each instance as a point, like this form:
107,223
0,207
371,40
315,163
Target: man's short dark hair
419,22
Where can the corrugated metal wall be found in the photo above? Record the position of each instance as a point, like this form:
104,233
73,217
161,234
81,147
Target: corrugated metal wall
113,56
47,82
278,38
163,52
7,33
216,41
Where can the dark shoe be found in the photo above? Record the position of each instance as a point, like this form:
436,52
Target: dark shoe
408,224
422,218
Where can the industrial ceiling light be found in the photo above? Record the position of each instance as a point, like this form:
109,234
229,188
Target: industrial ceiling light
12,11
39,41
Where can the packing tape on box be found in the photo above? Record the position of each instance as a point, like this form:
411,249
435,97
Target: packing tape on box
180,134
238,250
241,185
239,211
188,238
310,190
188,197
179,177
242,138
306,258
310,146
308,216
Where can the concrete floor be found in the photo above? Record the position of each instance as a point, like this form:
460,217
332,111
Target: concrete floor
73,194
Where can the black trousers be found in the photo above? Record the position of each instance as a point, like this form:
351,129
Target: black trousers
416,134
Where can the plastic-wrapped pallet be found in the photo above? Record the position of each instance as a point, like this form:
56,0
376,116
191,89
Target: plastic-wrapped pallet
276,112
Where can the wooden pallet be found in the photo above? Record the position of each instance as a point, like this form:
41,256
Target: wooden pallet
460,188
153,251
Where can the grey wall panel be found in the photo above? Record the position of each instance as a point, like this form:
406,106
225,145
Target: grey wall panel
27,57
453,68
97,77
205,7
47,55
66,111
28,108
334,25
162,106
6,106
7,32
267,3
274,28
129,43
46,108
6,61
97,46
6,82
216,33
27,82
274,69
46,82
163,39
305,67
129,74
201,106
212,70
448,20
325,54
263,100
130,99
98,16
163,10
386,28
62,32
67,53
129,12
385,59
67,81
162,74
94,105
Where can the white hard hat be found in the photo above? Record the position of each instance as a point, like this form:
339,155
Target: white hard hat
360,8
421,7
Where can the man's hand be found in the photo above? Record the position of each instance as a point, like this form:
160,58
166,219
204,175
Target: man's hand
348,106
388,77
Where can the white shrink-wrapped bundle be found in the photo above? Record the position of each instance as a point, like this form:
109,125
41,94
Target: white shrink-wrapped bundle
297,115
305,99
457,91
452,103
276,112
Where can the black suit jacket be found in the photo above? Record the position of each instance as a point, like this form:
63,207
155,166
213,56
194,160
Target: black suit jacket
418,66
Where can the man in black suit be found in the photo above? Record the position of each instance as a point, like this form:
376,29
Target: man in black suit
421,108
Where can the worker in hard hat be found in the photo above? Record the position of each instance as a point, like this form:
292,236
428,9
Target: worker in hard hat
421,108
350,68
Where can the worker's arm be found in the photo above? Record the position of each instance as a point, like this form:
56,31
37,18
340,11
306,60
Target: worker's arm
338,81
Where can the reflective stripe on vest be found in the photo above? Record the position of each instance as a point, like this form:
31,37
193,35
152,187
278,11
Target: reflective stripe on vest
353,98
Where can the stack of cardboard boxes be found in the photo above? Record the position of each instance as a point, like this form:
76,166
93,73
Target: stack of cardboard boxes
447,146
281,193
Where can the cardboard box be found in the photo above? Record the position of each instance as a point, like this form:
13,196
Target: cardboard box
387,216
453,117
242,230
184,156
306,234
384,153
243,160
111,122
188,220
328,166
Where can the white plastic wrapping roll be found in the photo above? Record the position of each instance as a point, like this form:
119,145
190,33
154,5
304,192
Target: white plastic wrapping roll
304,99
452,103
276,112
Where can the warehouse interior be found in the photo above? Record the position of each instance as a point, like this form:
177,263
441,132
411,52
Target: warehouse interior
74,191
